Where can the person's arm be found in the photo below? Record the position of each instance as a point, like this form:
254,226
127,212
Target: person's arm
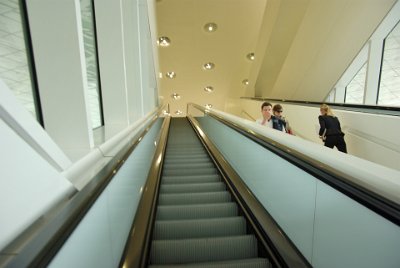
322,126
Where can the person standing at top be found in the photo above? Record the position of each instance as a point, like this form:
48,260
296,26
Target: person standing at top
330,131
278,110
268,119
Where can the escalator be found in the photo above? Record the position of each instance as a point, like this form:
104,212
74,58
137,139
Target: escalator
198,224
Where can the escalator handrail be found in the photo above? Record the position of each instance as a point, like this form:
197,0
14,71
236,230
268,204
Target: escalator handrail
385,205
281,250
137,247
38,244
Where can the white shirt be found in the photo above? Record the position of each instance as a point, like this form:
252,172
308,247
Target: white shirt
266,123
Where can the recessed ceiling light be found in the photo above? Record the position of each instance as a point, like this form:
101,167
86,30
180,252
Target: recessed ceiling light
210,27
208,66
209,89
178,112
208,106
245,82
170,75
176,96
165,112
251,56
160,75
163,41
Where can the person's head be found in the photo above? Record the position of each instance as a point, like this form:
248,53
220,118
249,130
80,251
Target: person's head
325,109
266,109
277,110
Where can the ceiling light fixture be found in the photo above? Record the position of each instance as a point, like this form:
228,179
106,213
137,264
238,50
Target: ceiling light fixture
208,66
245,82
163,41
176,96
210,27
178,112
208,106
170,75
209,89
251,56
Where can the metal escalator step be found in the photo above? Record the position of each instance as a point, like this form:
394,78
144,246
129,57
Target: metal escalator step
203,249
179,165
194,198
183,229
192,187
184,160
191,171
244,263
190,179
198,211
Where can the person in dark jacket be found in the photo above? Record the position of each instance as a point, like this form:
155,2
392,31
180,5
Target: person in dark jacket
330,131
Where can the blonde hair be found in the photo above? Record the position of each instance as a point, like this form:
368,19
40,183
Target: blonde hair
326,109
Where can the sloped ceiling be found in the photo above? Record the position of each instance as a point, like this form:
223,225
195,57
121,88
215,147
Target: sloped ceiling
302,47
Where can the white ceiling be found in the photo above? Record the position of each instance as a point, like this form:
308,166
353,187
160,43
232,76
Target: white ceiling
302,47
191,46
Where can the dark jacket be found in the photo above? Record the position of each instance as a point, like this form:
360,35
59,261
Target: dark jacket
331,124
278,123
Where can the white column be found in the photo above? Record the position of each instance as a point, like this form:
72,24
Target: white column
132,59
58,50
373,71
111,49
339,94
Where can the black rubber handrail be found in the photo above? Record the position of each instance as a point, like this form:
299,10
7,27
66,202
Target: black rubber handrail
280,249
137,247
37,246
340,181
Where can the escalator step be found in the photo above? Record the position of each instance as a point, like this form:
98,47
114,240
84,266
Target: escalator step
191,171
199,228
201,211
194,198
183,160
190,179
188,165
192,187
247,263
203,249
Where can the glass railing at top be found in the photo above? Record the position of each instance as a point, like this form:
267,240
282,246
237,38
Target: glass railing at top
340,211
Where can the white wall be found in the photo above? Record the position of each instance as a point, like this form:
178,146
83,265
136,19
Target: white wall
372,137
30,181
42,167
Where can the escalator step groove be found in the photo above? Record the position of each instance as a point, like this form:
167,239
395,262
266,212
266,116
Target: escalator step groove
190,179
203,249
201,211
181,229
194,198
192,187
248,263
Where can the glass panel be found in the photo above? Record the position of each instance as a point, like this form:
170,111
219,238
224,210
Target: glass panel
91,63
389,87
355,89
99,239
329,228
14,70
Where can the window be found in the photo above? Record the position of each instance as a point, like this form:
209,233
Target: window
14,67
389,86
355,89
89,40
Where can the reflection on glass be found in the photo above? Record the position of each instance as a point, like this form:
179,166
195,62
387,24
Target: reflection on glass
91,63
14,70
355,89
389,87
